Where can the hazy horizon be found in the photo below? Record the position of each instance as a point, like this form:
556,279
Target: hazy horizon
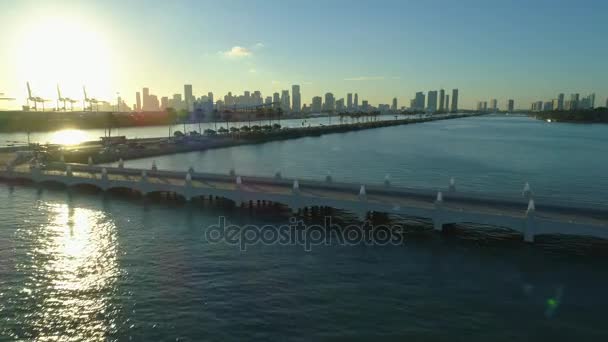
521,50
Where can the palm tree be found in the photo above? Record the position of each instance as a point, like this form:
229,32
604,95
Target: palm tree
215,116
279,113
227,117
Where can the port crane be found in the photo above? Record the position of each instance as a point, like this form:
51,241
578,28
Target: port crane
35,99
90,101
64,100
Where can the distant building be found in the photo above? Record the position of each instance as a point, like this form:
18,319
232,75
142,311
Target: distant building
349,101
447,102
138,101
268,100
454,108
432,101
537,106
384,108
574,99
560,102
511,106
146,99
297,98
188,97
356,103
419,101
316,104
285,101
164,103
494,105
276,98
479,106
441,100
394,106
330,102
365,105
548,106
340,105
485,106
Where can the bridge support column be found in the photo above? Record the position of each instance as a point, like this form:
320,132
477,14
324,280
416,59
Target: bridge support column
529,223
438,215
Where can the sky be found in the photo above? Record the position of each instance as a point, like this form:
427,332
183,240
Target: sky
527,50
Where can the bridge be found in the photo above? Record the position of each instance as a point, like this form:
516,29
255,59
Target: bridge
447,206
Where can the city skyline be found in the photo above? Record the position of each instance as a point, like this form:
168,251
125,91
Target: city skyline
272,55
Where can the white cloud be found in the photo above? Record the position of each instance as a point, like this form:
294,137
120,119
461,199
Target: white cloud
237,52
259,45
365,78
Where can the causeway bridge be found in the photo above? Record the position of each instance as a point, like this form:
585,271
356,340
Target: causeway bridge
443,207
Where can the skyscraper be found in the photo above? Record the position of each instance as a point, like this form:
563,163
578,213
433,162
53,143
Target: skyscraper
419,101
432,101
494,105
285,100
441,100
316,104
349,101
454,108
297,98
394,106
164,102
330,102
560,102
138,101
276,99
146,99
574,99
447,102
340,105
511,106
356,104
188,98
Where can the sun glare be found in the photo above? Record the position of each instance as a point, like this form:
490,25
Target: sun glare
69,137
58,50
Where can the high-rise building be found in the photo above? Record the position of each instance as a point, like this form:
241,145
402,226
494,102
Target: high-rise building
432,101
330,102
485,106
285,100
447,102
560,102
419,101
316,104
188,97
494,105
511,106
454,107
349,101
164,102
153,103
340,105
138,101
356,104
574,99
146,99
441,100
479,106
268,100
394,106
365,105
276,99
297,98
548,106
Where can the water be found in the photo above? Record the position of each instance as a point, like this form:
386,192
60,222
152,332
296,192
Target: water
88,267
492,155
77,136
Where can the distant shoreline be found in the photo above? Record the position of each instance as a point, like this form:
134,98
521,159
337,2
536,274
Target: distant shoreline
597,115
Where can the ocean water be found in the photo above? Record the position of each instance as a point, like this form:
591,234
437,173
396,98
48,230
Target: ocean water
81,265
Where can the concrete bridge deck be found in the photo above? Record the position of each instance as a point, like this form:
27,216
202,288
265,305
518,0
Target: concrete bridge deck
444,207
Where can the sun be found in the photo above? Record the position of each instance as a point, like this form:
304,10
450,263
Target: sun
61,50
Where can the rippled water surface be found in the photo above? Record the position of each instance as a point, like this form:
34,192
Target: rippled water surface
84,266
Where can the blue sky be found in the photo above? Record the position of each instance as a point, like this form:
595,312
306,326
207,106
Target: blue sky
526,50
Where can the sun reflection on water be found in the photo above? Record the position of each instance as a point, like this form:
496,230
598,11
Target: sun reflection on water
75,266
69,137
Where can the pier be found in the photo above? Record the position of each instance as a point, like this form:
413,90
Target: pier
525,214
